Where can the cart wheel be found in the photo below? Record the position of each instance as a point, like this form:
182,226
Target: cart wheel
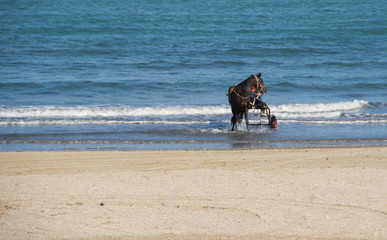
273,122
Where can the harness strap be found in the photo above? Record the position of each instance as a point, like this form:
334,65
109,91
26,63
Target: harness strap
247,97
253,103
258,84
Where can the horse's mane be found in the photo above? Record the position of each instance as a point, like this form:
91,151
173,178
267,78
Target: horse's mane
247,81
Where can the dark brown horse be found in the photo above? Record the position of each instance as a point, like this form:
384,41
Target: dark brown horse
239,95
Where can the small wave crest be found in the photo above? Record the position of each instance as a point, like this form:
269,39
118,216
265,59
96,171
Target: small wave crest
322,107
36,122
318,110
108,111
356,111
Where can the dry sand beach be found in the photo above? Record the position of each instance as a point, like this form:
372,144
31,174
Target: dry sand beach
329,193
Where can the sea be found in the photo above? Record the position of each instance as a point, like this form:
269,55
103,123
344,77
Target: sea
139,75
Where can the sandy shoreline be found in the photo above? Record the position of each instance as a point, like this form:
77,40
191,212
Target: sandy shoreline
330,193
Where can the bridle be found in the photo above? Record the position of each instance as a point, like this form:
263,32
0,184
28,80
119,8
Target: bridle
257,80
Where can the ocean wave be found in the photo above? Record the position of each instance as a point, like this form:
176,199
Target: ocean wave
321,107
132,111
93,142
336,122
29,122
285,86
110,111
59,85
356,111
337,63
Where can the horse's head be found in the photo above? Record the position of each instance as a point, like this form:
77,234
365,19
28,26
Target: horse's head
255,81
258,83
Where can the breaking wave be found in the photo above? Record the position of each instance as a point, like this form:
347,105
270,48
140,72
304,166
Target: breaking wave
350,112
108,111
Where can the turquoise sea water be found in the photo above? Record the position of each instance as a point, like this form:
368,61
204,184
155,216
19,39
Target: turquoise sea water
78,75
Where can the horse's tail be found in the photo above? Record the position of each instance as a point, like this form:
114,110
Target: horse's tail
230,90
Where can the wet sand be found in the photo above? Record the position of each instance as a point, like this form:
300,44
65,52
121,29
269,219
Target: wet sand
328,193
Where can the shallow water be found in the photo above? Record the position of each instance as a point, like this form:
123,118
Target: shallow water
126,75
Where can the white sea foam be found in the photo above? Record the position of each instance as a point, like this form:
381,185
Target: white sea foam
321,107
109,111
357,122
33,122
330,113
295,110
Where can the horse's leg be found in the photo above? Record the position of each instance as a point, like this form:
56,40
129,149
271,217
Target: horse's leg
233,121
240,117
247,117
